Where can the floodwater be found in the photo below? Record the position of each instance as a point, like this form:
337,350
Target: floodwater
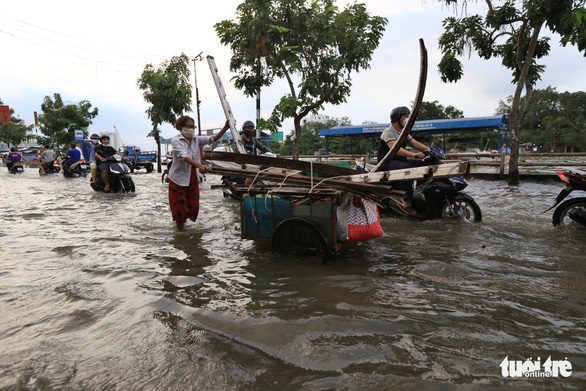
100,292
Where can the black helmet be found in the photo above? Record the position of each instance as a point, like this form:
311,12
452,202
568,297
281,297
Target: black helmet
13,149
397,112
94,136
247,123
104,136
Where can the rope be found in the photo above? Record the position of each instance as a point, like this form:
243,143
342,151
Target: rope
250,198
323,180
270,192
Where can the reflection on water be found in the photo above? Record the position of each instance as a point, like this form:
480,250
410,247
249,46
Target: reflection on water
99,291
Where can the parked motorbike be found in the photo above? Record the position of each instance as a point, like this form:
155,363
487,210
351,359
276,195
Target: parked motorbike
52,168
571,212
120,179
75,170
438,198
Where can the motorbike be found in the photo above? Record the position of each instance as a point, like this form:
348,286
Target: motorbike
571,212
165,175
16,168
52,168
438,198
75,170
120,180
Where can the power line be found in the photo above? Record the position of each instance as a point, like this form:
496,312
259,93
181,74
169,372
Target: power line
65,52
73,46
81,39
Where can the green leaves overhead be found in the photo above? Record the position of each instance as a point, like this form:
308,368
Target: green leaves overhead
506,32
511,31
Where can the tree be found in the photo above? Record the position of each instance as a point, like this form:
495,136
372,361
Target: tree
434,110
168,91
310,41
13,132
553,120
59,121
512,32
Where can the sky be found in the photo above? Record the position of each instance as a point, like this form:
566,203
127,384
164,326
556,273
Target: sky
97,51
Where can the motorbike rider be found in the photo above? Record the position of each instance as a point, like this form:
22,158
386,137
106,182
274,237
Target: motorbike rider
46,158
251,143
12,158
91,145
102,152
403,158
73,156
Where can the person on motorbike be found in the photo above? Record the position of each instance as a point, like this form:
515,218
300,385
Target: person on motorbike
102,152
251,143
73,156
46,158
403,158
12,158
91,145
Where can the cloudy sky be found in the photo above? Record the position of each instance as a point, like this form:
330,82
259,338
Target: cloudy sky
96,51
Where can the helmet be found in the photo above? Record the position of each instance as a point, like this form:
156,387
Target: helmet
94,136
13,149
247,123
397,112
104,136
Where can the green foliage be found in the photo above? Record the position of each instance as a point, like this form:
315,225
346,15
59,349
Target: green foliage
308,42
434,110
59,121
168,91
551,113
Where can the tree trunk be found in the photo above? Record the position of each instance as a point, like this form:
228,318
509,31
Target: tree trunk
158,141
514,128
297,123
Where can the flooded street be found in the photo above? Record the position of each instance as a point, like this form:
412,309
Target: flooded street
100,292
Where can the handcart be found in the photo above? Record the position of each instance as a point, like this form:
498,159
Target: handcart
307,225
296,224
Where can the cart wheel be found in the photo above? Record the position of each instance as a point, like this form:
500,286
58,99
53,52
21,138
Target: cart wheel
302,238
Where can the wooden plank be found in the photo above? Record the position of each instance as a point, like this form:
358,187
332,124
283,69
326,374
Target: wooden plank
409,174
266,161
414,110
368,191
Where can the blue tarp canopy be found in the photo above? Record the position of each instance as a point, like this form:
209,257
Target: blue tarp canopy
439,126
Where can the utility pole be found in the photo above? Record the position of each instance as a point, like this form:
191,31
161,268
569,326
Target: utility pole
197,58
257,113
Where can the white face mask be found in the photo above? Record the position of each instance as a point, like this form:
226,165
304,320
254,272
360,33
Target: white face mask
95,140
188,133
404,122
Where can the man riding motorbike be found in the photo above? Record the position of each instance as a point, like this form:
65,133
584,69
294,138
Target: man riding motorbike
73,156
103,151
47,156
399,117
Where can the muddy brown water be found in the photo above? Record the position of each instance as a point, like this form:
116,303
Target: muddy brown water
100,292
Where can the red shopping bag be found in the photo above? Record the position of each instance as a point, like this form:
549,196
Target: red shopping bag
363,220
